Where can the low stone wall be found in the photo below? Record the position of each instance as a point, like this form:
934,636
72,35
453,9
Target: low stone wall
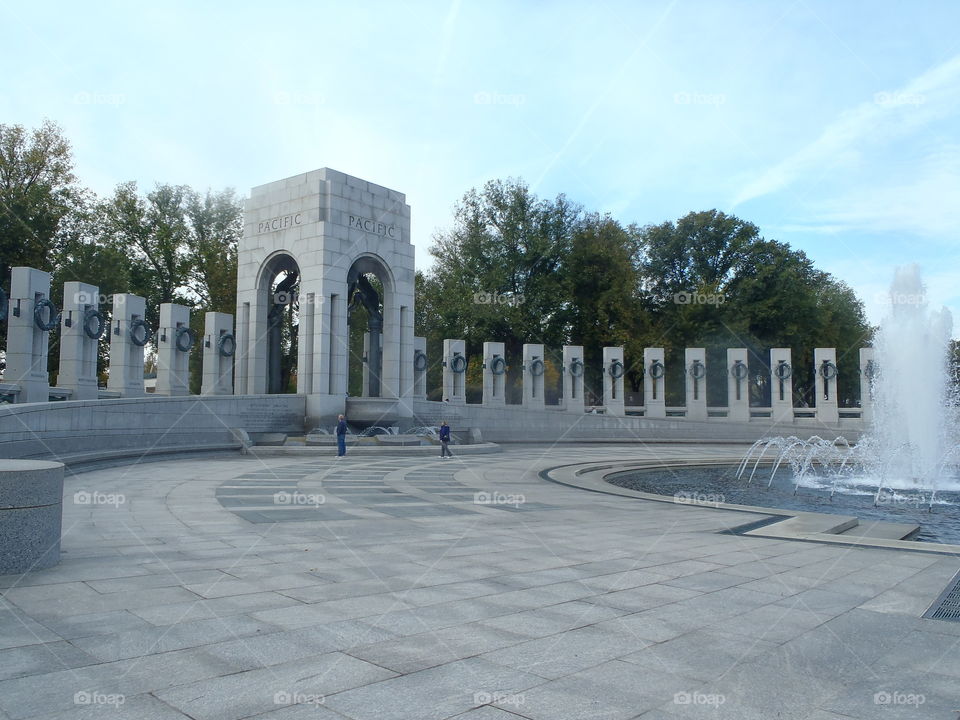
89,430
515,424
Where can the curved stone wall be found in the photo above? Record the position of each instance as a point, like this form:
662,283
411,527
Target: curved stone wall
77,431
31,512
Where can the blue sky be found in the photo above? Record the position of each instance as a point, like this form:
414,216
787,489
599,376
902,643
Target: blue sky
831,125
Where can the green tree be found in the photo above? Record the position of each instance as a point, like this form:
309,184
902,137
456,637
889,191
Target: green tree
37,191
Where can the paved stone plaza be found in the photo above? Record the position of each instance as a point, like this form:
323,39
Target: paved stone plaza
382,588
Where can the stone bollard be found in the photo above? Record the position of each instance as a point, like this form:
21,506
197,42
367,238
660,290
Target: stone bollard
31,513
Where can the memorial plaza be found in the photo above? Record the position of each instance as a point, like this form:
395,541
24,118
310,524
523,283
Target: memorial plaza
400,586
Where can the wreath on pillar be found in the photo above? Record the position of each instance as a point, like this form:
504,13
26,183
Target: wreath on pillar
184,338
616,370
657,370
740,371
140,332
498,366
536,367
94,323
783,371
419,360
226,345
458,364
576,368
828,371
53,317
698,370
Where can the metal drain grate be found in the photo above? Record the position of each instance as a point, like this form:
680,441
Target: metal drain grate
947,606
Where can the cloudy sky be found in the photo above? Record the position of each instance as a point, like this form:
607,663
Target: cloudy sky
834,126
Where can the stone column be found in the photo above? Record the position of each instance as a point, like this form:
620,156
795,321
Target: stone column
573,368
533,369
128,335
174,340
868,373
81,327
825,365
781,385
219,346
455,371
365,364
494,374
738,385
695,360
27,342
420,368
613,371
654,388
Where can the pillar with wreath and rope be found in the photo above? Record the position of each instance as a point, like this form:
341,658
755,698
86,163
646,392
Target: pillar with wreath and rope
695,361
613,372
573,369
533,369
494,374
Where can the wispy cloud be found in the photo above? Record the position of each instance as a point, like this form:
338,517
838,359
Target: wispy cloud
889,114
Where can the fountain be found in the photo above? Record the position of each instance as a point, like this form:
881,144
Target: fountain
910,444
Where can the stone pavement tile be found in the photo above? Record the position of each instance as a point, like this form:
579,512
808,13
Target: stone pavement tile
822,601
417,652
568,652
782,584
225,587
260,691
257,651
924,652
487,712
54,692
517,600
108,623
706,582
18,629
96,707
434,693
201,609
166,579
623,580
905,697
435,594
27,596
899,602
345,609
612,691
771,623
303,711
551,620
70,605
37,659
751,569
643,597
148,641
700,654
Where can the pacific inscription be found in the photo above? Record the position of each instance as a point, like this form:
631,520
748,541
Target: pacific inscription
372,226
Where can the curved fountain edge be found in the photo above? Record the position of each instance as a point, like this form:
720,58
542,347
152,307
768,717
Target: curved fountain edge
793,525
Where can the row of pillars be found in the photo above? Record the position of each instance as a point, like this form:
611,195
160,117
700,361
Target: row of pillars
738,409
31,315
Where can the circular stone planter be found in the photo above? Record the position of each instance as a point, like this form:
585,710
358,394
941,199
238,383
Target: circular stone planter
31,512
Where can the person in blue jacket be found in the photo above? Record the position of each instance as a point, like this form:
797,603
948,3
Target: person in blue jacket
445,440
341,437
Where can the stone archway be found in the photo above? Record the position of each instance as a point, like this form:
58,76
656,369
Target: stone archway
333,229
280,280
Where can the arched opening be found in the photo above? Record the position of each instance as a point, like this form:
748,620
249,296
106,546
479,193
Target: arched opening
368,295
279,283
